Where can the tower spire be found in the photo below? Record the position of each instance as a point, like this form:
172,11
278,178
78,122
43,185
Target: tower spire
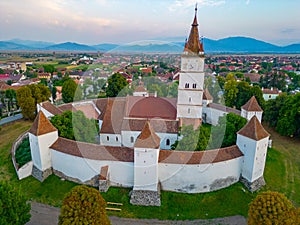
193,44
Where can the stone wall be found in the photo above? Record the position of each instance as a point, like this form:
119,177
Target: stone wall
41,175
146,198
92,182
255,185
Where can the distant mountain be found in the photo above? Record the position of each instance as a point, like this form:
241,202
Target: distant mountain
32,44
70,46
5,45
225,45
105,47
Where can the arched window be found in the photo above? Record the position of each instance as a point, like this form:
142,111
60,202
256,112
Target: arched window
187,85
131,139
190,99
194,85
168,142
117,139
107,138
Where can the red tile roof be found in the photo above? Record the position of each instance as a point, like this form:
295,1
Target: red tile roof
270,91
207,95
224,108
199,157
152,107
254,130
51,108
66,107
147,138
158,125
88,109
93,151
103,173
41,125
252,105
113,117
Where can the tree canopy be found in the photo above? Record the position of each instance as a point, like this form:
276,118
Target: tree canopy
29,96
83,205
283,114
71,91
272,208
13,207
75,126
116,83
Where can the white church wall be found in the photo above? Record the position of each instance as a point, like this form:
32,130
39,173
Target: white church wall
121,173
190,97
111,139
247,147
260,158
40,153
191,78
189,111
211,116
190,178
129,138
145,169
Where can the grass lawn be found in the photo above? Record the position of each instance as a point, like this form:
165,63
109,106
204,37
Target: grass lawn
281,174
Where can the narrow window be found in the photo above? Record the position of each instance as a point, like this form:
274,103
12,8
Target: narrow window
194,85
131,139
187,85
117,139
189,110
190,99
168,142
107,138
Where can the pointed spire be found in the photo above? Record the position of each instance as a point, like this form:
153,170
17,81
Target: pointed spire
147,138
254,130
193,45
252,105
41,125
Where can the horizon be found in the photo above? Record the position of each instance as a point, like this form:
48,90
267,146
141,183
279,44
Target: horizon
103,21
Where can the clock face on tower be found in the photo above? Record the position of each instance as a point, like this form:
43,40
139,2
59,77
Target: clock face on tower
194,64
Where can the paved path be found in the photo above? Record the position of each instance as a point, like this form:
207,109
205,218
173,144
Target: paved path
42,214
11,118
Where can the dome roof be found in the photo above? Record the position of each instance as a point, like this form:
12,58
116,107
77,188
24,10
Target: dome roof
153,107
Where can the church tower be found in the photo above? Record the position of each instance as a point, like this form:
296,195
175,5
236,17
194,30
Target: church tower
190,89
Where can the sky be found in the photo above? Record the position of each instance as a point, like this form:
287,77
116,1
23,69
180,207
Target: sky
126,21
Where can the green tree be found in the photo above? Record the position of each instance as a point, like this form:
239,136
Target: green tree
40,92
83,205
268,208
75,126
231,90
10,94
48,68
289,116
230,123
70,91
53,93
26,102
116,83
13,207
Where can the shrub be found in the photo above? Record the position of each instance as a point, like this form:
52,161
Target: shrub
23,154
83,205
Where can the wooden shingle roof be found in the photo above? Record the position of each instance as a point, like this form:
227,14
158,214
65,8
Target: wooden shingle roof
147,138
254,130
41,125
252,105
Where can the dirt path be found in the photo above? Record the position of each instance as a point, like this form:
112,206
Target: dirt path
42,214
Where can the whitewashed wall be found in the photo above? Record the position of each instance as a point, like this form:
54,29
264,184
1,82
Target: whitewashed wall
249,115
40,152
46,112
121,173
113,139
25,170
196,178
212,115
126,139
254,156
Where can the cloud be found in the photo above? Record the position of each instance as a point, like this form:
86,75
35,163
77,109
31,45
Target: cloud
184,4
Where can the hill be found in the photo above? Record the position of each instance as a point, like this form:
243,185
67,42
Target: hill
70,46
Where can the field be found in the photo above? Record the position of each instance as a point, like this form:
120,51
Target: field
281,174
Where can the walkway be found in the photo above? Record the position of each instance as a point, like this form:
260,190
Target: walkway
42,214
11,119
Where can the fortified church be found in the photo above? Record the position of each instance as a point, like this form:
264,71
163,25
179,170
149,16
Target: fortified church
136,134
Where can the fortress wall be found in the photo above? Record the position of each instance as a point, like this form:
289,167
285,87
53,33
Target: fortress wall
196,178
211,116
120,173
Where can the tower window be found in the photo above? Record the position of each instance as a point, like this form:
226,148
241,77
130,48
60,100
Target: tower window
190,99
131,139
189,110
168,142
187,85
194,85
107,138
117,139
